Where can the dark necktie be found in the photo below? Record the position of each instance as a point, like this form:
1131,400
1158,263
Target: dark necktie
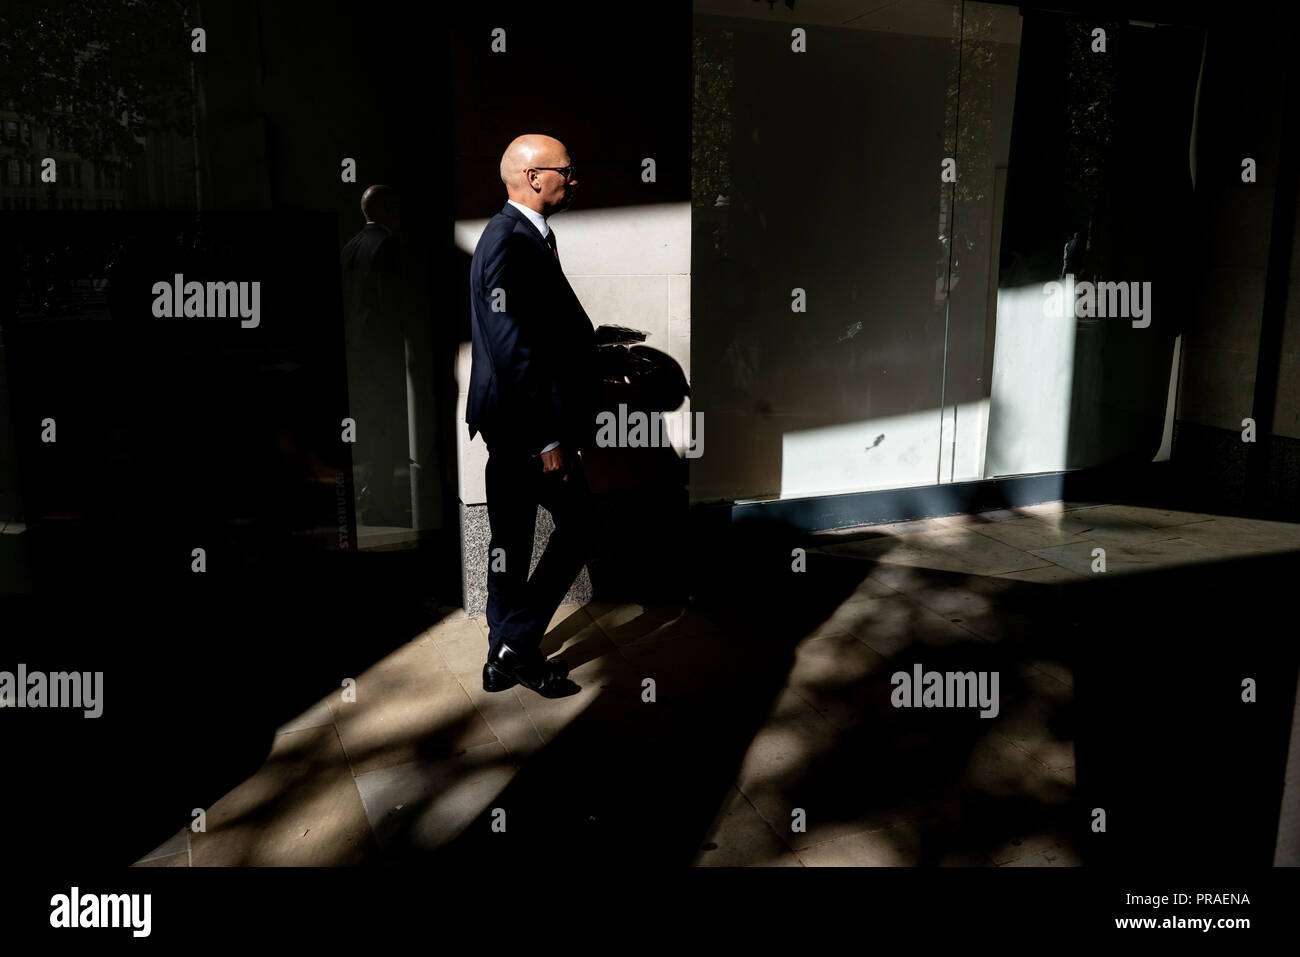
550,241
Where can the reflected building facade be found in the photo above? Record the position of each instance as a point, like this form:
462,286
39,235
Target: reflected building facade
882,197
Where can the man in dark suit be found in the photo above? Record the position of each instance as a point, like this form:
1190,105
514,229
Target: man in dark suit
372,291
1072,256
534,393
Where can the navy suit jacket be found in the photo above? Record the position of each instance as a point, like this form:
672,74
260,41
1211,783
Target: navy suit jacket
533,378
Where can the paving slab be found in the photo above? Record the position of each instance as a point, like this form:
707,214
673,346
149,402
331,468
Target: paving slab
300,809
426,804
409,706
739,837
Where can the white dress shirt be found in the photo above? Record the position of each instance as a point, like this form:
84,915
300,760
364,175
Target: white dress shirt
534,217
538,220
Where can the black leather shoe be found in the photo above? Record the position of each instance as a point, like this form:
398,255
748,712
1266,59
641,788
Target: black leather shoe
496,678
530,669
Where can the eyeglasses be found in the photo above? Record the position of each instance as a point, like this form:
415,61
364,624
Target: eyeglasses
565,171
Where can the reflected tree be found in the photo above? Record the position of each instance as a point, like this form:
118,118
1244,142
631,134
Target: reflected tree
99,76
1090,89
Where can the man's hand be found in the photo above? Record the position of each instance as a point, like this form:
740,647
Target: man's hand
553,461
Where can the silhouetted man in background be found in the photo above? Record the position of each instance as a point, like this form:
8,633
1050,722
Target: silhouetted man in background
373,304
534,393
1072,256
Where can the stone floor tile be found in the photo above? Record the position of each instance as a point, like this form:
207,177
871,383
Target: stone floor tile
1028,845
577,640
849,614
1168,553
739,837
896,846
903,528
424,804
1227,535
1046,575
1026,533
1077,557
1002,625
450,629
870,587
901,579
1054,508
893,626
1041,508
1060,854
568,611
1153,517
1059,670
1066,776
1027,721
408,707
316,716
174,860
868,546
967,550
176,844
997,767
961,595
829,674
776,776
300,809
504,714
957,521
552,715
463,646
1140,557
630,622
1105,528
790,703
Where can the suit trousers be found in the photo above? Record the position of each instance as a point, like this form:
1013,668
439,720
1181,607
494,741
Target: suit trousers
519,607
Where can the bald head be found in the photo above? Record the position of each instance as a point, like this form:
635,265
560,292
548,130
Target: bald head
379,205
526,179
